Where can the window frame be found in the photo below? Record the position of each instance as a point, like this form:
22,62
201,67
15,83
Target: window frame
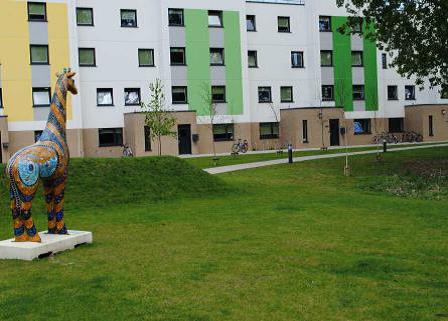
116,143
332,93
184,50
152,53
292,94
230,134
217,100
215,13
368,121
289,24
256,58
396,93
363,92
83,24
220,50
430,125
45,11
362,58
182,15
272,134
305,136
302,59
329,24
39,63
37,134
260,88
87,65
111,90
400,120
384,61
138,90
121,18
413,93
42,90
331,58
254,22
185,92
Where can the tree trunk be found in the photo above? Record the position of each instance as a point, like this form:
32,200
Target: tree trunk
160,145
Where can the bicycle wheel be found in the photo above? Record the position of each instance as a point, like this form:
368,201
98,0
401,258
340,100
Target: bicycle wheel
235,148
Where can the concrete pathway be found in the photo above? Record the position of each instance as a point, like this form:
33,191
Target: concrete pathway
239,167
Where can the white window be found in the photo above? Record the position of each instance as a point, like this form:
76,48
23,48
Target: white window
41,97
132,96
105,97
215,18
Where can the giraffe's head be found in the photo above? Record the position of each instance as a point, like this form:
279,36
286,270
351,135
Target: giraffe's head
68,81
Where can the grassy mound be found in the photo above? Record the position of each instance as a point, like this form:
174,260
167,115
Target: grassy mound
105,182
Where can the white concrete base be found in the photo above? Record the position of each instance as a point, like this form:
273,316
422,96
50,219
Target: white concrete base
51,244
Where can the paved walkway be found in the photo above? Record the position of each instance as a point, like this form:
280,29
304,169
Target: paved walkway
239,167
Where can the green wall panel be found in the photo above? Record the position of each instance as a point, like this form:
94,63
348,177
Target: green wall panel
370,73
232,52
198,58
342,60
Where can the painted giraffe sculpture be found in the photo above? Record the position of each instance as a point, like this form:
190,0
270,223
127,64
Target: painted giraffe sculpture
47,160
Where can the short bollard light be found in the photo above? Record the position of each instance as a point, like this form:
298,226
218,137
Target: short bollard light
384,146
290,159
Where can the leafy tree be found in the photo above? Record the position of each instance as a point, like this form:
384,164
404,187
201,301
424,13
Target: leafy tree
157,117
414,32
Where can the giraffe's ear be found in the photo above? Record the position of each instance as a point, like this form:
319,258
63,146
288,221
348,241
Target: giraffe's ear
58,74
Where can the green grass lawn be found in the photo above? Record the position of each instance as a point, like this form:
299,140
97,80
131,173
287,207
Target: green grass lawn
207,162
287,242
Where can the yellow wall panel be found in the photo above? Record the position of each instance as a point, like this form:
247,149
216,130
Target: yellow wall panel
15,60
58,41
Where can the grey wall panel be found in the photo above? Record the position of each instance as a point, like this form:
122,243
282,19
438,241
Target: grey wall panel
357,43
326,41
218,74
216,37
359,105
177,37
38,33
358,75
327,74
221,109
179,73
40,76
41,113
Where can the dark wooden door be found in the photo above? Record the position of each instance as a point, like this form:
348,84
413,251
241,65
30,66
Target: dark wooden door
184,138
334,132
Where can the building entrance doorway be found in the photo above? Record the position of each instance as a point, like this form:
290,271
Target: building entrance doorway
184,139
334,132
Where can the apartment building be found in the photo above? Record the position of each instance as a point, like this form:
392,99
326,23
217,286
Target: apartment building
278,72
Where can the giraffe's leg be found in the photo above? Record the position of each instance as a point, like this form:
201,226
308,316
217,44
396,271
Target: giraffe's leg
49,201
58,195
19,227
30,228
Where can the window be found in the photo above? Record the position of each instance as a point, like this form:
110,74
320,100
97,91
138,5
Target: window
358,92
219,94
444,92
216,57
37,134
357,27
362,126
223,132
269,130
297,59
326,58
179,95
87,57
128,18
384,60
177,56
147,133
250,23
84,16
176,17
104,97
396,125
305,131
37,11
409,92
41,97
146,57
1,99
284,24
357,60
215,18
252,59
110,137
132,96
39,54
264,95
327,92
324,24
431,126
392,92
286,95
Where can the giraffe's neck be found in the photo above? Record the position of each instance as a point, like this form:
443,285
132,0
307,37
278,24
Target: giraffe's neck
57,119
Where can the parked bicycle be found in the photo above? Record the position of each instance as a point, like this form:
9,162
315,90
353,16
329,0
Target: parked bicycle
242,146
